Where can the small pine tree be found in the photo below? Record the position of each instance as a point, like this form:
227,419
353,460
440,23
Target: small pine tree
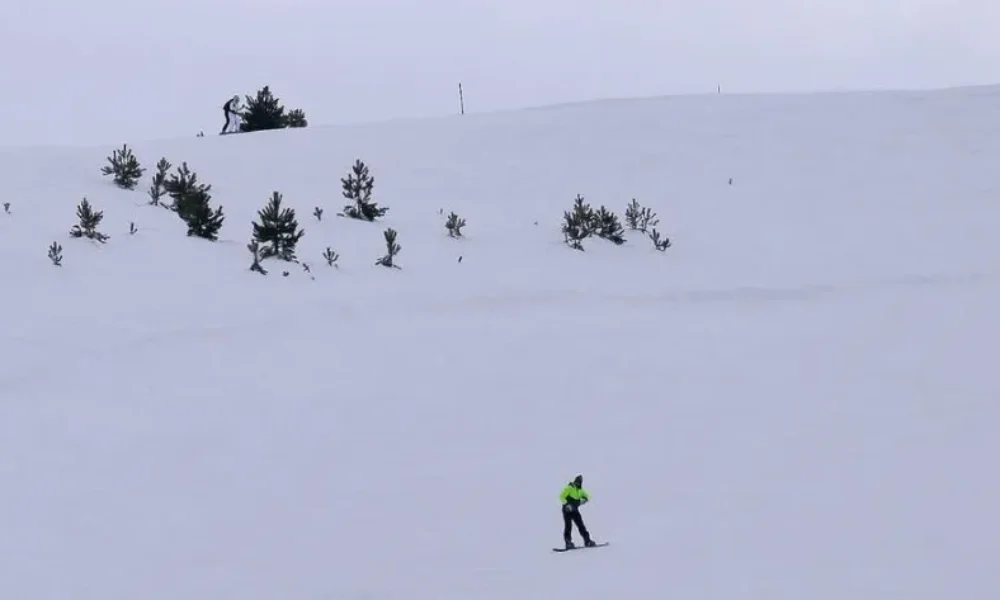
331,257
632,214
89,220
640,218
254,249
191,203
263,112
181,185
658,243
125,168
578,223
296,118
647,219
392,249
606,225
454,225
358,186
278,230
6,207
157,188
55,254
201,220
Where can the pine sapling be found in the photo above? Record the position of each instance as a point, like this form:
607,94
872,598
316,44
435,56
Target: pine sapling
278,230
89,220
181,186
606,226
125,168
632,214
55,254
640,218
308,270
6,207
357,187
191,203
578,223
157,188
454,225
318,213
201,220
331,257
658,243
296,118
392,249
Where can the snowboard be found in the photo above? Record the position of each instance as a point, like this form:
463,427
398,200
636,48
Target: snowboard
600,545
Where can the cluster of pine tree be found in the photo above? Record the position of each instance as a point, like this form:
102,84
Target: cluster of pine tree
277,232
190,199
265,111
582,222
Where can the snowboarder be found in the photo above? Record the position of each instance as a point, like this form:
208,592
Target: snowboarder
232,111
573,497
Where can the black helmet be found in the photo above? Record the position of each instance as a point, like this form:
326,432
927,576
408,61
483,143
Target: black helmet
578,480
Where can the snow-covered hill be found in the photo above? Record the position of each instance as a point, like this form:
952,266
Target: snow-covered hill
798,399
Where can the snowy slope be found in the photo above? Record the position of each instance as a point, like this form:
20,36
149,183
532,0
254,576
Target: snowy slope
797,400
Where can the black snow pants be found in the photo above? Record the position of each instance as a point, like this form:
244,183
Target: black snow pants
571,517
228,121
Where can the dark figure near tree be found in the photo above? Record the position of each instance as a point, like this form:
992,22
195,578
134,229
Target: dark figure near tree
231,109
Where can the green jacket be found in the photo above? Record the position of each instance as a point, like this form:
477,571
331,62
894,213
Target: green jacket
573,495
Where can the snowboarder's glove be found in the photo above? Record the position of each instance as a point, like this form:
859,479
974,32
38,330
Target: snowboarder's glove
567,507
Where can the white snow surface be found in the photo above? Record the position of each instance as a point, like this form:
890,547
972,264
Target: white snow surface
799,399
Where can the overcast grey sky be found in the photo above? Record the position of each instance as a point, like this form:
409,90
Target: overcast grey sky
107,71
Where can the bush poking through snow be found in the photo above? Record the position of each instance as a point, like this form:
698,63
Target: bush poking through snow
132,229
201,220
191,203
254,249
125,168
308,270
454,225
89,220
296,118
55,254
157,189
583,221
318,213
578,223
6,207
357,187
640,218
278,230
182,184
658,243
392,249
331,257
607,226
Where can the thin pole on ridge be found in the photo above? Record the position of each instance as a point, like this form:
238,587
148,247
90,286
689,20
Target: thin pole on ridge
461,98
